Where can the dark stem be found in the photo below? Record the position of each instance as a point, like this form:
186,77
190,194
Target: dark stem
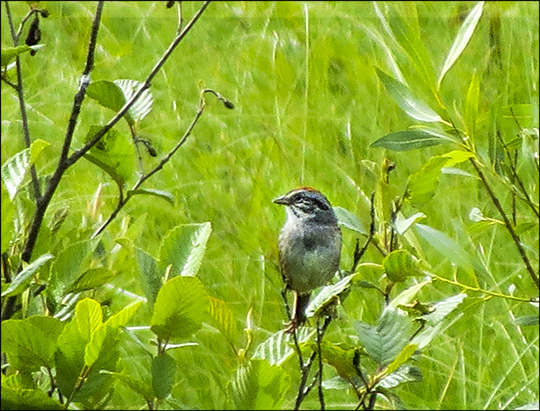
507,223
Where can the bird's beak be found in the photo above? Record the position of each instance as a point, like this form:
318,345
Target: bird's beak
283,200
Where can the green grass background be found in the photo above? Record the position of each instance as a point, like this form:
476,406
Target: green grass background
308,105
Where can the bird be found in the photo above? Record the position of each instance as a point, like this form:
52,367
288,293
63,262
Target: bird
309,246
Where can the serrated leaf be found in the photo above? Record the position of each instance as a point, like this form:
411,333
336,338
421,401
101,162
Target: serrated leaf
423,183
409,140
462,39
19,283
349,220
387,339
15,168
277,348
328,294
91,278
180,308
158,193
413,106
150,276
143,105
446,246
163,371
183,248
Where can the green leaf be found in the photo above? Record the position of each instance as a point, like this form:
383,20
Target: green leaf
413,106
183,248
69,357
104,338
15,168
278,347
139,386
8,224
108,94
158,193
150,276
409,140
403,224
113,153
143,105
27,399
434,320
92,278
349,220
121,318
406,32
408,294
385,341
67,266
462,39
471,104
423,183
180,308
402,358
20,282
399,265
89,317
222,314
31,343
526,320
328,294
257,385
163,371
406,373
10,53
446,246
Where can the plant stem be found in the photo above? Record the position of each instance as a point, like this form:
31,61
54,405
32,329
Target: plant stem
507,223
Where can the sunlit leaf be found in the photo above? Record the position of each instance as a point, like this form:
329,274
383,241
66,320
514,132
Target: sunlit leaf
423,183
181,307
413,106
462,39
